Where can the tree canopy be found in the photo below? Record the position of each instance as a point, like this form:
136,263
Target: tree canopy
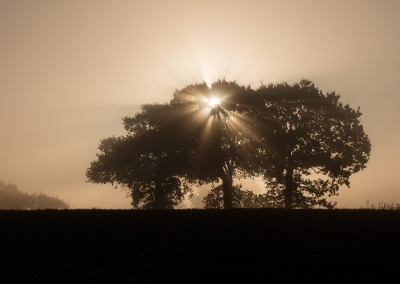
304,144
313,143
221,146
148,160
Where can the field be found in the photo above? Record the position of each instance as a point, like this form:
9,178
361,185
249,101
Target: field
200,246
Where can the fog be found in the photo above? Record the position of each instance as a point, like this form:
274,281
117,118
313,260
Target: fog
70,70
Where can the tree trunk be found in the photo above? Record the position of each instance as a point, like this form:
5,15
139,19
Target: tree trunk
289,187
158,195
158,191
227,186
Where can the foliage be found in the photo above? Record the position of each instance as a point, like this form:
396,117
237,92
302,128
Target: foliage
305,144
43,201
173,191
305,133
241,198
219,143
13,198
148,160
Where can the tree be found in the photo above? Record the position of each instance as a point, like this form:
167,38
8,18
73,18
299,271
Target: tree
148,160
304,143
219,145
305,133
13,198
43,201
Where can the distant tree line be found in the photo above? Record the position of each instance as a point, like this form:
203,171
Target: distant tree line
13,198
304,144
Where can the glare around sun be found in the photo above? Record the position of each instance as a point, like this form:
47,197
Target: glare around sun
213,102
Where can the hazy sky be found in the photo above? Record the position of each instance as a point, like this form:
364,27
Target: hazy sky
70,70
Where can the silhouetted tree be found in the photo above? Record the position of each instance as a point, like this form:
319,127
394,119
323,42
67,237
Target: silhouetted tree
13,198
286,133
219,144
148,160
43,201
305,132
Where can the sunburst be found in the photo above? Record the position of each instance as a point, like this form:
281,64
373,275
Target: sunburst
213,102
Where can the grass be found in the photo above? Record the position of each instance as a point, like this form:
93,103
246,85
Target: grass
382,206
200,246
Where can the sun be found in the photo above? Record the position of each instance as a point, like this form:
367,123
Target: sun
213,102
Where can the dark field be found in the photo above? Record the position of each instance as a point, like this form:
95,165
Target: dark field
200,246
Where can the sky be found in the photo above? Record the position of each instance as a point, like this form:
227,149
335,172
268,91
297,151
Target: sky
70,70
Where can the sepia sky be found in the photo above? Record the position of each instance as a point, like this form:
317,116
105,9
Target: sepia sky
70,70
